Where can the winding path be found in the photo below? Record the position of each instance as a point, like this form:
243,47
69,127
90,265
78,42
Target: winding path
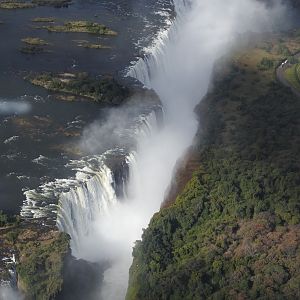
281,78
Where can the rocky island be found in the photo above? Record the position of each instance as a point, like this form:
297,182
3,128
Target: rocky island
105,90
16,4
81,26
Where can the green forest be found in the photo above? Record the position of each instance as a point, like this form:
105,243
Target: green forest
233,232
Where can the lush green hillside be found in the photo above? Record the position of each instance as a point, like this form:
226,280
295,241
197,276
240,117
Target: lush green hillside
41,263
40,252
233,232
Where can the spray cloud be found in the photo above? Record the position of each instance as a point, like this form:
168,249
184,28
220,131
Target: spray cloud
13,107
7,293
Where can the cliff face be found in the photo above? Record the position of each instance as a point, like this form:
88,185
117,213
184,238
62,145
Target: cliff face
233,232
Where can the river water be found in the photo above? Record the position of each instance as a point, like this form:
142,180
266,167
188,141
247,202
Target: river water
37,133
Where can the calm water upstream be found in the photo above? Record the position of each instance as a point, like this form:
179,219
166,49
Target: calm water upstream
36,131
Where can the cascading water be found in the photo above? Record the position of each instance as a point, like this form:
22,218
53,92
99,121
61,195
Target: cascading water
81,206
102,185
99,185
98,176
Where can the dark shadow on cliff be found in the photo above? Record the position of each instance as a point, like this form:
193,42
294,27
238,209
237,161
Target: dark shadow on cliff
82,280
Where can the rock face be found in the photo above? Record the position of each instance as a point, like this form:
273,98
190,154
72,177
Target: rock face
233,231
82,279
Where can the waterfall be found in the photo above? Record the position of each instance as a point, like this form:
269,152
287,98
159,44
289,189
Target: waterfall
99,183
99,191
81,206
102,185
106,206
155,60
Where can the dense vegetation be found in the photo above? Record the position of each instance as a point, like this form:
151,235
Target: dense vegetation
34,41
33,45
40,252
81,26
41,263
15,5
20,4
8,220
292,75
234,232
54,3
104,90
265,64
43,20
